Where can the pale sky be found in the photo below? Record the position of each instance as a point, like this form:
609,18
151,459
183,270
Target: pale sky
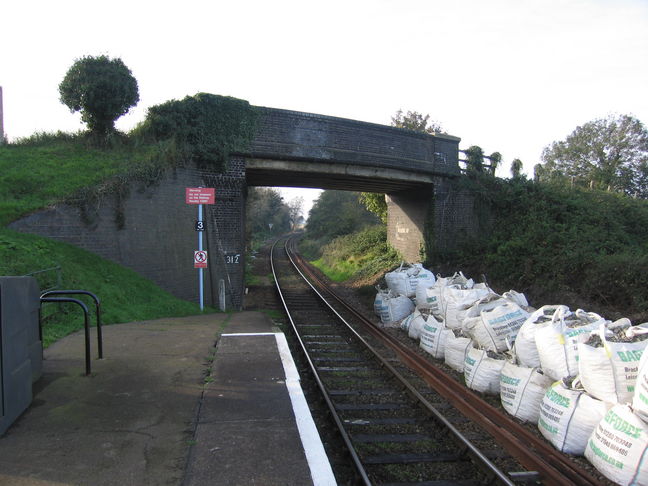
508,75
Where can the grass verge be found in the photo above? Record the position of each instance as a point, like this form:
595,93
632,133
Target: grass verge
360,254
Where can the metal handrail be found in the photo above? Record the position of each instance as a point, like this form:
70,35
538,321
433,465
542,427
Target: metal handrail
86,325
97,309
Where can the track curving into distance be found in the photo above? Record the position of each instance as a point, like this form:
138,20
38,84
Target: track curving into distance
396,431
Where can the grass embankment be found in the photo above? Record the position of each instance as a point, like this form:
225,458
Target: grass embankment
357,255
48,169
45,169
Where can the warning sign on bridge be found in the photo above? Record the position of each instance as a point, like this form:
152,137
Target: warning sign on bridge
200,195
200,259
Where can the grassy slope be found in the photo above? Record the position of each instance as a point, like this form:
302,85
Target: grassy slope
34,176
37,175
357,255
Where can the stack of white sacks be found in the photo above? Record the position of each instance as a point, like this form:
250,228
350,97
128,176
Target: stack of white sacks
581,378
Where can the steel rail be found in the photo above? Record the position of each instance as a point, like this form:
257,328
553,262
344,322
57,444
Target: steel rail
338,422
488,467
533,453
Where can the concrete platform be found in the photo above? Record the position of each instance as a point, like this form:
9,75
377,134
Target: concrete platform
164,407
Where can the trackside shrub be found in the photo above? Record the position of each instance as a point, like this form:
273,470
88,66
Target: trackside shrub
558,244
364,253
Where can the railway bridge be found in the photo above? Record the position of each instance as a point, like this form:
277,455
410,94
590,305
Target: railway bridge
151,229
294,149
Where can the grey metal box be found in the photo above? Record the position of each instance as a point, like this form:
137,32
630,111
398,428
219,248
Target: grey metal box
21,350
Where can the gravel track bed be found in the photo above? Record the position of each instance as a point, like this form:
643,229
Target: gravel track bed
366,308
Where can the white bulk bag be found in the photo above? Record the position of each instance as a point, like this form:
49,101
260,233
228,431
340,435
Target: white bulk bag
481,372
609,372
419,276
568,416
434,336
525,343
490,301
495,329
405,323
456,348
397,281
522,390
457,301
395,308
379,301
640,399
405,280
557,342
429,297
456,279
618,447
473,314
419,318
517,297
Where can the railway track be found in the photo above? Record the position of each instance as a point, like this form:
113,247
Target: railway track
401,419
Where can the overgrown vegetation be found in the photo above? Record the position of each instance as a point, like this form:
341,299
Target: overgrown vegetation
609,154
47,168
357,255
334,214
204,128
267,215
559,245
345,240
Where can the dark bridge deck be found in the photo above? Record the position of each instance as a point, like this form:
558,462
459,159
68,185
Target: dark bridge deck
297,149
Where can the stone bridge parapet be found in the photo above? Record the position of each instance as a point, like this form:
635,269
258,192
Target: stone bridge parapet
291,135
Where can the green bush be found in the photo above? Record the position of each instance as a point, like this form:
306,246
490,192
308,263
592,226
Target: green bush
205,128
620,280
337,213
102,89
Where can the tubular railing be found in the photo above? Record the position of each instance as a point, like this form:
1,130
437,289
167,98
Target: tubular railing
85,325
45,298
97,309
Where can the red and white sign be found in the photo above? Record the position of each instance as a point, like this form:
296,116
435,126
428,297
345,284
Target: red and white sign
200,259
200,195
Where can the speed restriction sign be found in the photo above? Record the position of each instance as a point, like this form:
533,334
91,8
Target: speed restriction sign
200,259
